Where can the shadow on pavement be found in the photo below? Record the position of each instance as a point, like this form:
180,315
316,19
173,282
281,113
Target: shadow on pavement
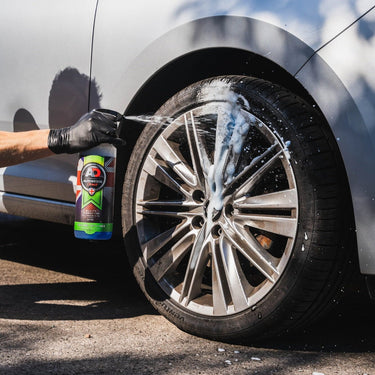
349,328
98,283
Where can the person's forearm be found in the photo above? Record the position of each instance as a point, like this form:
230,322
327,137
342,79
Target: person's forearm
23,146
92,129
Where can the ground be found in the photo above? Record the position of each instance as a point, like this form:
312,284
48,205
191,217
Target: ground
72,307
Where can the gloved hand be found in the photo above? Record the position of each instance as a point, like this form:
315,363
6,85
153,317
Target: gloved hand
90,130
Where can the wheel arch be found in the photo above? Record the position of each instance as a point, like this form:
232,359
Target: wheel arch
205,63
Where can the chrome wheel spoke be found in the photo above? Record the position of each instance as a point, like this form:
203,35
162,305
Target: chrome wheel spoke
220,292
253,251
173,213
151,247
229,284
263,157
165,203
255,177
285,199
179,209
158,170
171,259
192,284
199,157
284,226
170,154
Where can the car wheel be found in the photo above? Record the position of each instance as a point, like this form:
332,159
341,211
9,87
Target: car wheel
235,210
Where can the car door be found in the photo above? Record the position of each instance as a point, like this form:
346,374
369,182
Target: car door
44,81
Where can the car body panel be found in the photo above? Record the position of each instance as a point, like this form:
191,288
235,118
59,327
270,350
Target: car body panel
37,208
42,39
165,30
347,99
133,41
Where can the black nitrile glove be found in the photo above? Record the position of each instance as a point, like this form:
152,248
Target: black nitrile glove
90,130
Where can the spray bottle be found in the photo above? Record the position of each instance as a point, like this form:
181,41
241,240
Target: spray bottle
95,189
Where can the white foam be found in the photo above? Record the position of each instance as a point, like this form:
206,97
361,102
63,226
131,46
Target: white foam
231,131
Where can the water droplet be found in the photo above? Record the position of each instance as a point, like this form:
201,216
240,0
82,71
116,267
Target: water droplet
303,247
306,238
221,350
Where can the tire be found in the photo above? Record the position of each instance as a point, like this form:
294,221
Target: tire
248,246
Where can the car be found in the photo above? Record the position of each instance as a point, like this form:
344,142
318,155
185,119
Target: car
246,192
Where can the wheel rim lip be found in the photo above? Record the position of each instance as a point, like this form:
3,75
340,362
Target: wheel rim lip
266,286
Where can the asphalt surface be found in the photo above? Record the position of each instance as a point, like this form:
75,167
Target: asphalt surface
72,307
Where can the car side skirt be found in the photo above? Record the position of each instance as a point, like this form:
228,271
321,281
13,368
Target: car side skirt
37,208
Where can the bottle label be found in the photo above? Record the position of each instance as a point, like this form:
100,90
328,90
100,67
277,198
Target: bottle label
91,228
93,179
94,196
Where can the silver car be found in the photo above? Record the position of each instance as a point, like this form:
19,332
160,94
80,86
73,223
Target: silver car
246,192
